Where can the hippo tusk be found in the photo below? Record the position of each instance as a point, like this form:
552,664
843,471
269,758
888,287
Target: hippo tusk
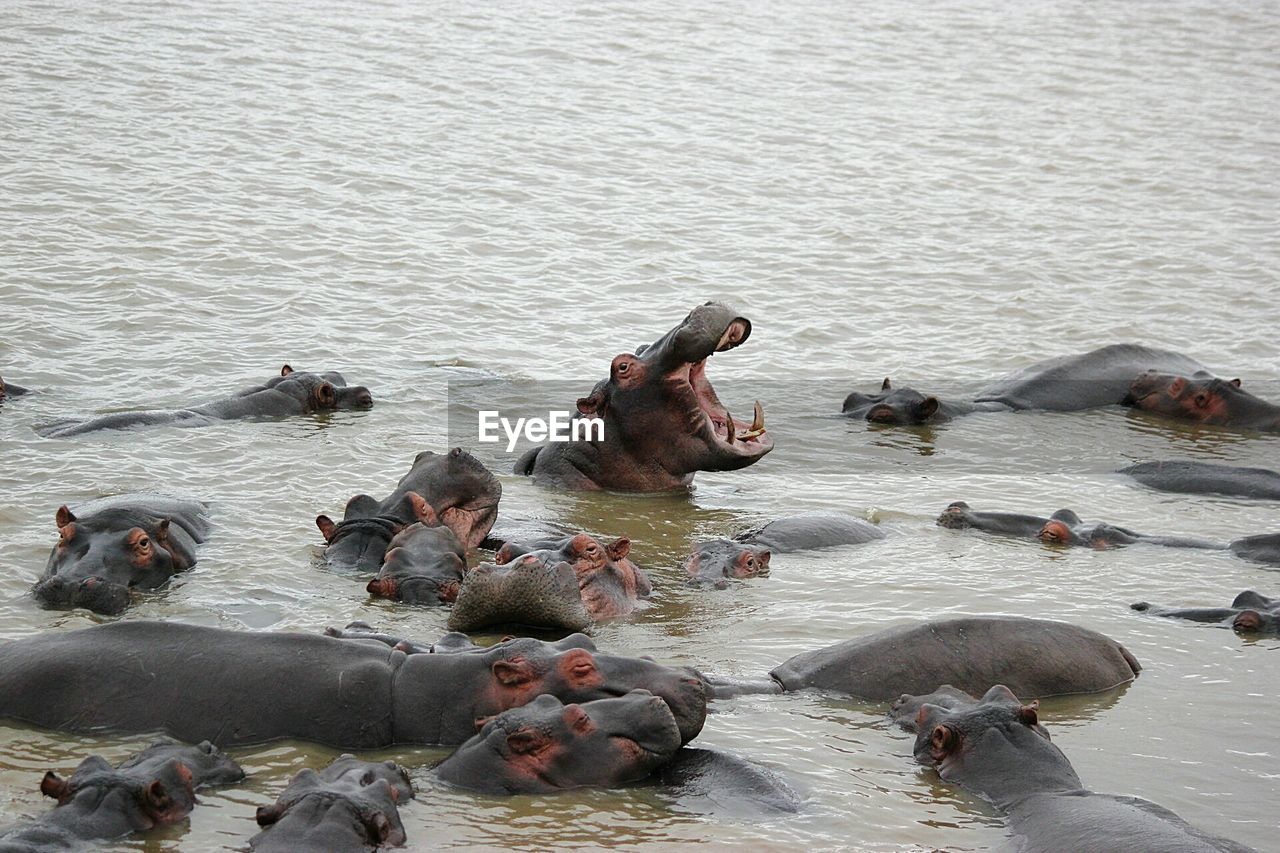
731,428
757,424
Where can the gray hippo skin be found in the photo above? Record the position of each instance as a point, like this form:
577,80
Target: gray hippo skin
707,780
108,547
240,687
662,419
609,584
1205,478
996,748
546,746
1250,613
99,802
971,652
909,406
348,807
1203,399
293,392
459,491
530,591
747,554
10,390
423,565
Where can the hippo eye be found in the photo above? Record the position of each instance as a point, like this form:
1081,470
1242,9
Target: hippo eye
1202,399
623,366
144,543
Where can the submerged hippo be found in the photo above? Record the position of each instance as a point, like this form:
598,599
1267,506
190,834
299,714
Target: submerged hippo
1206,478
1250,613
1064,527
293,392
546,746
1100,377
110,547
534,590
241,687
423,565
996,748
459,491
8,389
351,805
662,419
1203,399
609,583
972,652
714,782
748,553
98,802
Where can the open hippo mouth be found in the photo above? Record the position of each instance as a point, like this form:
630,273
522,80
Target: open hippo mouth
709,418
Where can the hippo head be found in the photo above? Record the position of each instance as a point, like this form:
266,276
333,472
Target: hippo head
321,392
521,669
155,794
423,565
546,746
535,589
892,406
207,764
96,562
462,492
362,538
1206,400
721,559
351,804
995,747
1064,527
659,408
1256,622
588,556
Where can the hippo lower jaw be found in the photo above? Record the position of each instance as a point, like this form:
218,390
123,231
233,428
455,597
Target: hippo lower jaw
731,446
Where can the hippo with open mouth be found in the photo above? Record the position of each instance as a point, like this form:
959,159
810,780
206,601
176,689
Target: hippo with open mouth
662,419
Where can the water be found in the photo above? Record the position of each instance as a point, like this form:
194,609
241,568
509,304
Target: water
194,194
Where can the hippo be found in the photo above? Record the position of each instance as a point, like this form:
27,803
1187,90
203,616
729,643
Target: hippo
97,801
461,493
1064,527
708,780
909,406
996,748
747,554
1041,658
608,582
293,392
1206,478
110,547
546,746
1250,613
423,565
532,591
1203,399
662,419
243,687
8,389
351,805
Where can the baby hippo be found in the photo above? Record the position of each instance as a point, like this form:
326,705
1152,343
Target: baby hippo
546,746
154,788
351,805
424,564
1249,613
608,582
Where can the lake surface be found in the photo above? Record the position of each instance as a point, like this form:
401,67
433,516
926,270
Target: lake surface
424,196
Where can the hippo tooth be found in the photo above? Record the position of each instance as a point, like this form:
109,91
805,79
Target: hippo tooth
731,428
757,425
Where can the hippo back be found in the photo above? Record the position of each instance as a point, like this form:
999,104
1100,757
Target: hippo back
1033,657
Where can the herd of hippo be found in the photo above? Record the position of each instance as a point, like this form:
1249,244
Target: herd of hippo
533,716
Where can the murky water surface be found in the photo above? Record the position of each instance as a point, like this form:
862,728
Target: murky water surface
193,194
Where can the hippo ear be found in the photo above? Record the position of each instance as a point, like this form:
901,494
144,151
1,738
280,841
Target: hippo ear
619,548
1236,382
156,797
286,370
1027,713
422,510
379,828
1247,620
884,386
929,407
514,672
267,815
327,527
591,405
162,530
325,395
942,741
53,785
64,516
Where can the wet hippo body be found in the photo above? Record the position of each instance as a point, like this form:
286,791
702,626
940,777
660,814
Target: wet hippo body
98,802
8,389
531,591
109,547
1250,613
546,746
662,419
423,565
707,780
1205,478
1100,377
973,653
349,806
748,553
293,392
236,687
1203,399
453,489
909,406
996,748
609,583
